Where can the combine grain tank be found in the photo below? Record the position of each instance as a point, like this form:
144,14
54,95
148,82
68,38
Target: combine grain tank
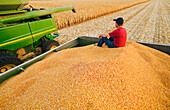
25,32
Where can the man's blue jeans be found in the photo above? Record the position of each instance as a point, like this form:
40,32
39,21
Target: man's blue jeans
108,42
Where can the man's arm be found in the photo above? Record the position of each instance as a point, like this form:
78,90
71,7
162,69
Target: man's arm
112,34
104,35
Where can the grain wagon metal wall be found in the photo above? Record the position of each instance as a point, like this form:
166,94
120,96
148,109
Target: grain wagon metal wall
80,41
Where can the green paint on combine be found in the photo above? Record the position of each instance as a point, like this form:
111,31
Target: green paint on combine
25,31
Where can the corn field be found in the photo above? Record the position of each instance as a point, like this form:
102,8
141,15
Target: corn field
146,22
85,9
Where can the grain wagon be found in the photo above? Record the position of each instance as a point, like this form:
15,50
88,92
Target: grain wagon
78,42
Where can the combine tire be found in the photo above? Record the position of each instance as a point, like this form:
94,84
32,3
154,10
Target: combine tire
4,54
49,45
8,62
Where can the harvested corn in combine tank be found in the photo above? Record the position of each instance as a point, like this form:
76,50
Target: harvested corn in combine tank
90,77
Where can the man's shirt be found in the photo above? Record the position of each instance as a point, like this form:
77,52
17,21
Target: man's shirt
120,37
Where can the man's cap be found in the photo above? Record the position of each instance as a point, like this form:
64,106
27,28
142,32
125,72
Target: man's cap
119,21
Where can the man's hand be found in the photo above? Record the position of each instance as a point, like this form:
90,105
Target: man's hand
104,35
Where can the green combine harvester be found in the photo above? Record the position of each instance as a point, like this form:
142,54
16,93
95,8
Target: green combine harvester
25,32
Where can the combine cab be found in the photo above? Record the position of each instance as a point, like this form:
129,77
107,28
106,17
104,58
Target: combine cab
25,32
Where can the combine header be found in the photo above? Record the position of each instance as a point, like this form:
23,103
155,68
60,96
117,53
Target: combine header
25,32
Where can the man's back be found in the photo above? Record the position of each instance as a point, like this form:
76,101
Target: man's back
120,36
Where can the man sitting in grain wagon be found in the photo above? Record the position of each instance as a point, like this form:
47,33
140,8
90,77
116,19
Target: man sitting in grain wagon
117,37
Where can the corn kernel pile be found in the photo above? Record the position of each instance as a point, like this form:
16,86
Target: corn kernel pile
91,77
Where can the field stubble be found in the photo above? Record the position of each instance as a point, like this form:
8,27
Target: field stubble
146,22
86,9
